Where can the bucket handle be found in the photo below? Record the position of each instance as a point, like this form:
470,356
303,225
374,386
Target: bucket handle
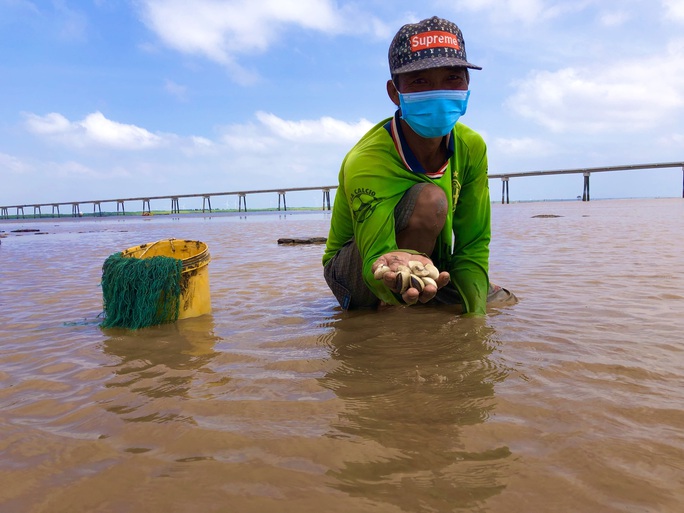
150,246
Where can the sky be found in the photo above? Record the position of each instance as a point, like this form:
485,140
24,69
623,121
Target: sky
106,99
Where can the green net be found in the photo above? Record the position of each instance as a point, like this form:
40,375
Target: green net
140,292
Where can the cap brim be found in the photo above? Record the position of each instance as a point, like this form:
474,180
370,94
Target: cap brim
435,62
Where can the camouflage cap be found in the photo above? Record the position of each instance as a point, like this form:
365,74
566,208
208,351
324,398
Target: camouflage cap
431,43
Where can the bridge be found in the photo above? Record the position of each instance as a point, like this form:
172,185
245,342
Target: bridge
146,208
20,210
586,172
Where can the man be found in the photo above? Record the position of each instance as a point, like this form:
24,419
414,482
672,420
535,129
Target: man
412,184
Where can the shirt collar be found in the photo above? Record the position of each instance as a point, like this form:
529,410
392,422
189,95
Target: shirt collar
393,127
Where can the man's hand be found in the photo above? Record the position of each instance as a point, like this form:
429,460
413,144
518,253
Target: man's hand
411,295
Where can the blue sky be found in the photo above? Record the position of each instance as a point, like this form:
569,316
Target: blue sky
101,99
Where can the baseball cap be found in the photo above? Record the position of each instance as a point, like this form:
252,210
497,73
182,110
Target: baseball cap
431,43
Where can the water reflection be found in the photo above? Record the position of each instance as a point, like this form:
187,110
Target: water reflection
157,366
411,380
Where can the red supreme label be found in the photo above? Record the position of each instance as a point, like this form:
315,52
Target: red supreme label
436,38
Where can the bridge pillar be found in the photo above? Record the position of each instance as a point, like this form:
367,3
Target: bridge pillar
36,208
206,200
242,200
280,194
175,208
326,197
75,209
4,212
55,206
120,203
22,212
504,190
146,202
585,191
96,205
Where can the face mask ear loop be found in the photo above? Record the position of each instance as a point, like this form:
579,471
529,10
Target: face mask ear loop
398,93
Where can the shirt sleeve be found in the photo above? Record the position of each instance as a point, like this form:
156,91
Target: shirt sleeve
372,196
472,233
340,224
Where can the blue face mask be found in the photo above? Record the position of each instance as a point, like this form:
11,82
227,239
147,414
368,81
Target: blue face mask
433,113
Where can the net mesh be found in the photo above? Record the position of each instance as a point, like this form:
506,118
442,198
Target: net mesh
140,292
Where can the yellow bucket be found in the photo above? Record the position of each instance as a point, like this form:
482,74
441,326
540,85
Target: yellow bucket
195,299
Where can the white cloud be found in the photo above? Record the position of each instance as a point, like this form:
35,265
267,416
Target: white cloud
13,164
176,90
325,129
247,139
49,124
197,146
20,5
674,9
525,11
94,128
624,96
274,135
242,154
537,11
672,141
73,169
201,142
614,18
73,25
524,146
118,135
223,30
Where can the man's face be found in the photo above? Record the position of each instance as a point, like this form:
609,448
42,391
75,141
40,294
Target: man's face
450,78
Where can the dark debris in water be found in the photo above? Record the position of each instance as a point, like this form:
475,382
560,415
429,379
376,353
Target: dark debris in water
24,231
307,240
546,216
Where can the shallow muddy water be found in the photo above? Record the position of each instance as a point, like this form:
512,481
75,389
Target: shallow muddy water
569,401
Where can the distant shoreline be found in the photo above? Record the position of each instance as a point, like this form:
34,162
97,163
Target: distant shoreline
27,218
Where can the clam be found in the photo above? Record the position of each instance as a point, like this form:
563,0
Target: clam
414,275
429,281
433,272
380,271
417,268
403,280
417,283
420,269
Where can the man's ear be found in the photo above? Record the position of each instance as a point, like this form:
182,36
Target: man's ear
393,93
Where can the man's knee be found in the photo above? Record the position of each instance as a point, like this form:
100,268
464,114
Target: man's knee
430,210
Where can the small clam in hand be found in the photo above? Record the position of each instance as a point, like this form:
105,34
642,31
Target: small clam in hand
403,279
380,271
420,269
429,281
414,275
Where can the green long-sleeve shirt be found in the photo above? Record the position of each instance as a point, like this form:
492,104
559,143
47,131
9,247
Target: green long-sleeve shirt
373,178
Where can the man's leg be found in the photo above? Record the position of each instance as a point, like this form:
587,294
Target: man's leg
343,274
416,219
419,217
